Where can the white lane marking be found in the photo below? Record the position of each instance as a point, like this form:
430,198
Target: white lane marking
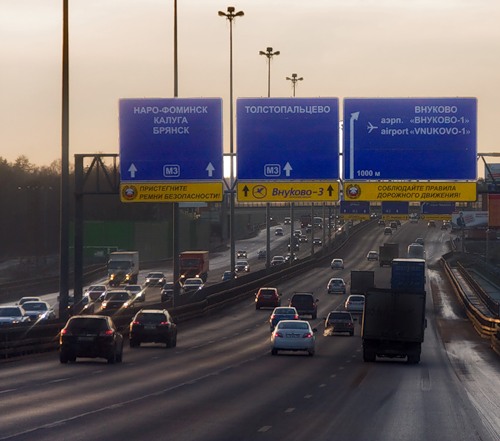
290,410
7,391
264,429
58,380
322,385
308,396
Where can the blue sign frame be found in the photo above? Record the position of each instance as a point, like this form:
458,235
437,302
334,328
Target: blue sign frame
410,139
437,207
287,139
395,207
171,139
349,207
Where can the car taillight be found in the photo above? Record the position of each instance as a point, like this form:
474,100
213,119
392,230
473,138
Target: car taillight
296,317
164,323
308,335
106,333
136,322
278,334
273,317
65,332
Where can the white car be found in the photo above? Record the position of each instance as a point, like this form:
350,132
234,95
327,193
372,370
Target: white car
355,304
39,311
242,266
293,335
12,315
137,292
336,285
277,260
192,284
372,255
337,264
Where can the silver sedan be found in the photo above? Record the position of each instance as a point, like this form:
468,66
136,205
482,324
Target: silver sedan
293,335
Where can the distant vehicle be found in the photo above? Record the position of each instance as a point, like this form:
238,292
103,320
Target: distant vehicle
394,225
387,253
115,300
416,250
355,303
92,336
381,223
305,304
420,240
303,238
137,292
372,255
13,315
282,313
261,254
317,241
278,231
194,264
414,220
297,233
167,292
445,225
339,322
242,266
336,285
388,231
291,257
318,222
37,311
155,279
241,254
192,285
287,221
337,263
23,300
96,291
293,335
153,326
267,297
123,267
277,260
431,224
229,275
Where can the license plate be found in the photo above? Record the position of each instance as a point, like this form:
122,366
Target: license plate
85,338
292,335
149,326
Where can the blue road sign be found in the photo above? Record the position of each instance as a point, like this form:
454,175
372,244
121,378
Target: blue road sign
410,139
348,207
390,207
176,139
287,139
437,207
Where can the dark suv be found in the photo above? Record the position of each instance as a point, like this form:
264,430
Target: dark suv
153,326
267,297
305,304
93,336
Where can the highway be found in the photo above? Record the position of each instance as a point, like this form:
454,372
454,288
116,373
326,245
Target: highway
221,384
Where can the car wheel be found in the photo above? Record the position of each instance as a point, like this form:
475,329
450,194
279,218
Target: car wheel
63,358
112,357
257,307
170,342
314,316
274,351
134,343
311,352
351,333
119,356
174,343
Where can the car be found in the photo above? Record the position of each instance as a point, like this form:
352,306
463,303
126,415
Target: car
261,254
282,313
96,291
336,285
192,285
23,300
304,303
372,255
90,336
167,292
337,263
394,225
287,221
291,257
153,326
155,279
420,241
242,266
115,300
228,275
413,219
303,238
431,224
13,315
295,244
317,241
387,231
37,311
293,335
137,292
277,260
241,253
381,222
339,322
355,303
278,231
445,225
297,233
267,297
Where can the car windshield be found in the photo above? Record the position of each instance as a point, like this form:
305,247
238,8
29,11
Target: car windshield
35,306
285,311
193,282
338,316
151,317
87,323
155,276
356,299
10,312
293,325
117,296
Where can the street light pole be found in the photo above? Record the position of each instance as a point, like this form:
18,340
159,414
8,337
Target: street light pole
231,15
294,80
269,54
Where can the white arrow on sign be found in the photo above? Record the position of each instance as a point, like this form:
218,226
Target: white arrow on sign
132,170
210,169
354,117
288,168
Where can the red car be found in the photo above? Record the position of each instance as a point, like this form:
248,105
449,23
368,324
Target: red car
267,297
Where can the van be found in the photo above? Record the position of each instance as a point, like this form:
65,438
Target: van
305,304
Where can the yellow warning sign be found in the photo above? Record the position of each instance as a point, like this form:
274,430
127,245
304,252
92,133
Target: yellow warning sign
294,191
410,191
172,192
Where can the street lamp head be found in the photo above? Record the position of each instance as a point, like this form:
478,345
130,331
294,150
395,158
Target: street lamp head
239,14
230,9
230,13
269,49
262,53
277,53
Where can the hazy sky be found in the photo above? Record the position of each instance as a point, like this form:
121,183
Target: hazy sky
342,48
